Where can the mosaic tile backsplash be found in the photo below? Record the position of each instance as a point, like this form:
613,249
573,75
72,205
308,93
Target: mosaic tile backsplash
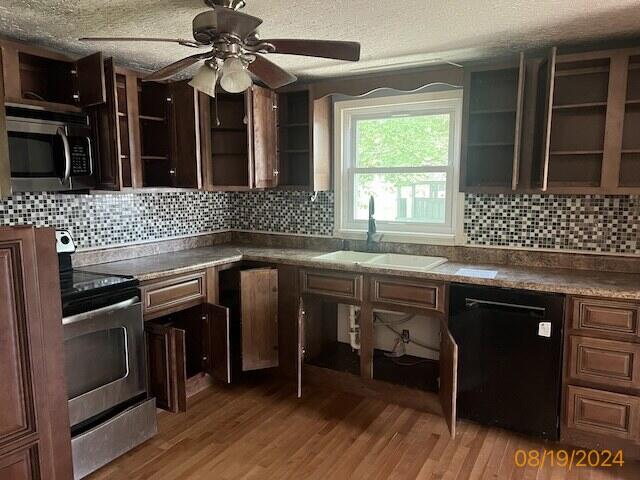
99,220
114,219
283,212
592,223
603,224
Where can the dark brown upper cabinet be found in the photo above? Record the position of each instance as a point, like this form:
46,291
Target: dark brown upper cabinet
147,133
118,131
168,119
586,140
492,132
304,140
295,139
238,140
266,140
43,78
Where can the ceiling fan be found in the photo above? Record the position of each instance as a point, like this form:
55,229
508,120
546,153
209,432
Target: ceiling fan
233,49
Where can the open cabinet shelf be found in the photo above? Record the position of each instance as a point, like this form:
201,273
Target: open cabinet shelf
491,126
294,139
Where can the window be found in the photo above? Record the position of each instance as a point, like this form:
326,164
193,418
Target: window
404,151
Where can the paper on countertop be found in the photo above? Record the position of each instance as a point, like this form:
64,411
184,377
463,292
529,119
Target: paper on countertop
472,272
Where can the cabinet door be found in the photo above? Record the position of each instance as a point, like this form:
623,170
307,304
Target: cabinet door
265,149
108,164
167,366
5,167
219,357
322,147
91,80
546,81
186,145
34,421
259,317
301,343
20,465
448,377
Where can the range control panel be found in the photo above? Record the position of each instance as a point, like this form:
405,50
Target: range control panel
64,242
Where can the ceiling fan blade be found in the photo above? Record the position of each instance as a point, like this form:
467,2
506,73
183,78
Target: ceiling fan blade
317,48
238,23
270,73
186,43
171,70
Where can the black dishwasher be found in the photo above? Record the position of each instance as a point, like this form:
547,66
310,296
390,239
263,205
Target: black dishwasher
510,357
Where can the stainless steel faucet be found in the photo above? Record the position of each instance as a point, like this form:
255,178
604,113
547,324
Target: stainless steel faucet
373,237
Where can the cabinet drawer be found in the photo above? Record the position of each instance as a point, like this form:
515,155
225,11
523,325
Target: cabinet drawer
606,362
605,316
174,294
605,413
345,286
423,295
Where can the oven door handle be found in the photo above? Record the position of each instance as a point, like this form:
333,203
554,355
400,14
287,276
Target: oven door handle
100,311
67,155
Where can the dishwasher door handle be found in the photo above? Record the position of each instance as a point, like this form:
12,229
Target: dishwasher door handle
474,302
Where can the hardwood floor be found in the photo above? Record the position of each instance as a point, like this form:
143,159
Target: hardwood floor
261,431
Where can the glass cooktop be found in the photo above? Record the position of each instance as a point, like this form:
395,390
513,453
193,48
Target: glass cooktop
78,282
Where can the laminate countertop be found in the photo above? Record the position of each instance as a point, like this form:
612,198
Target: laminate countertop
565,281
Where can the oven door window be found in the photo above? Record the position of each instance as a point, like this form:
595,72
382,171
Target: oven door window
95,359
36,155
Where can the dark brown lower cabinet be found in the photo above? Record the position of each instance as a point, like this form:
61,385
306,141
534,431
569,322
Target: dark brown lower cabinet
324,358
35,438
167,366
222,341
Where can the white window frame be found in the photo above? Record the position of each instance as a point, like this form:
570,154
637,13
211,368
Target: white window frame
346,112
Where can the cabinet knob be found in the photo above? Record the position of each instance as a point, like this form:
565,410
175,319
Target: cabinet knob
205,358
276,173
275,107
172,171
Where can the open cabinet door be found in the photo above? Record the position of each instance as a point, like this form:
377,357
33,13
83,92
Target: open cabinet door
300,358
259,316
5,166
108,175
219,366
185,126
167,366
547,79
265,140
91,86
448,376
322,144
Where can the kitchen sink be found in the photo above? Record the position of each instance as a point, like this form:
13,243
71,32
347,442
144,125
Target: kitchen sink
344,256
416,263
392,261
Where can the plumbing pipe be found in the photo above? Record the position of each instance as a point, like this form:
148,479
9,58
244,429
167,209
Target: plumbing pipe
354,328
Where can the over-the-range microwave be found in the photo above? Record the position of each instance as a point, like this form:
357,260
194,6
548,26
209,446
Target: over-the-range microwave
49,151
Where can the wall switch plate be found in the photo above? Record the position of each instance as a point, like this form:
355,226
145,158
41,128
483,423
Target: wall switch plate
544,329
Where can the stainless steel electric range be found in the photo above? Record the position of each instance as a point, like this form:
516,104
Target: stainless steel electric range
110,410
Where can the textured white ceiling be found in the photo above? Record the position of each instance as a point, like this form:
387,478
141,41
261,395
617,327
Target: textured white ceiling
394,34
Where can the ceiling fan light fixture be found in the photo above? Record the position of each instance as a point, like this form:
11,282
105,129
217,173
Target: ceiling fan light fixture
205,79
235,77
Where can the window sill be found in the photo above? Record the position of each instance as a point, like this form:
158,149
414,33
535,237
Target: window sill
447,239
